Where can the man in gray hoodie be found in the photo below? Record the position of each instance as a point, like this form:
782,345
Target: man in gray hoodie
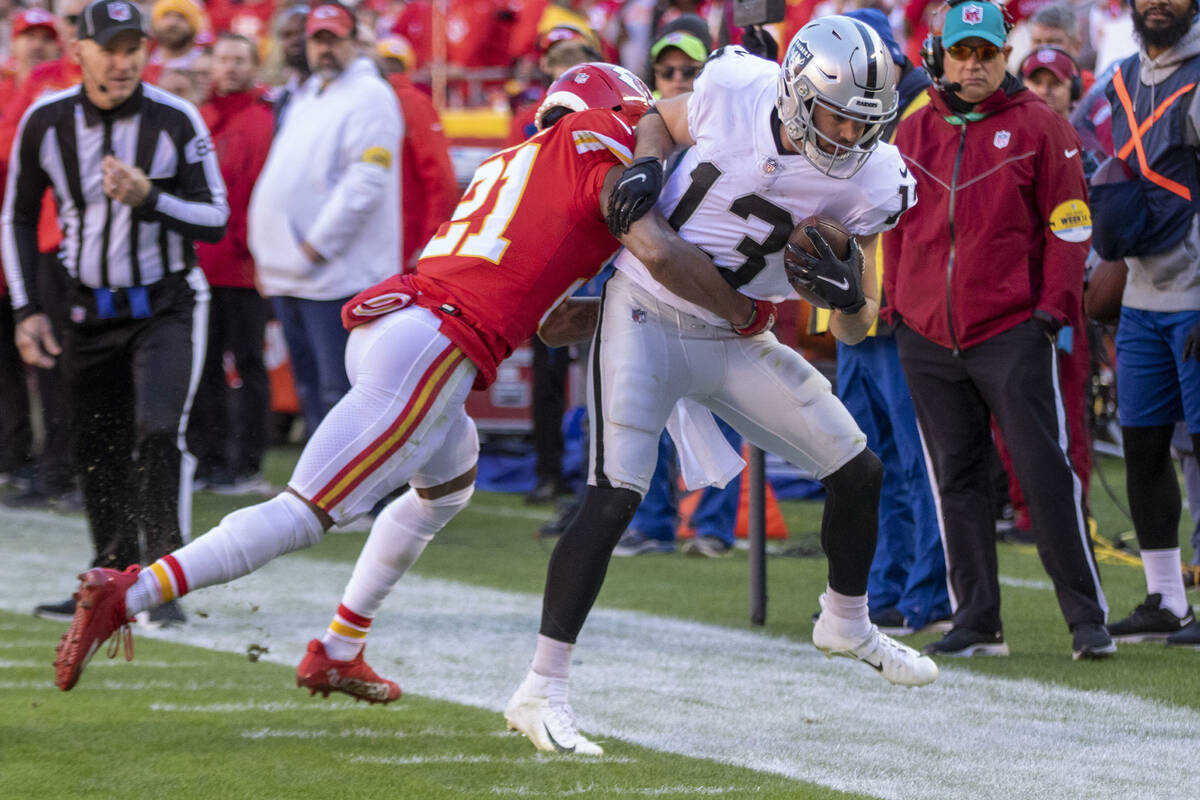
1156,129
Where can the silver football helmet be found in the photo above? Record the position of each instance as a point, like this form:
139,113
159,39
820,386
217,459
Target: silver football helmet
842,65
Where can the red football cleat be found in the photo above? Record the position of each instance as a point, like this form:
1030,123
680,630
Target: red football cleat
319,673
99,613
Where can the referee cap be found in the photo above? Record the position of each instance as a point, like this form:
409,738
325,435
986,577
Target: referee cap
101,20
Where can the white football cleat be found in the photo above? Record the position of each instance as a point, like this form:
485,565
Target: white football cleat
550,726
896,662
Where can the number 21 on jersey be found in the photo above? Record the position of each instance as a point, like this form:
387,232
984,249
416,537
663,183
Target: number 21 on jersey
483,201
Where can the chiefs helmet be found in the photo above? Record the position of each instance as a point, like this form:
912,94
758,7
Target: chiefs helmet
596,85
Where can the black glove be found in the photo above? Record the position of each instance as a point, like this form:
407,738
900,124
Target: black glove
1191,345
836,281
759,41
636,193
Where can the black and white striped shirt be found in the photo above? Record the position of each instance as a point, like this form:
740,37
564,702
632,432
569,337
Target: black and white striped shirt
107,244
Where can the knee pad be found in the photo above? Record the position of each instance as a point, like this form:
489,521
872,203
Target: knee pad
441,510
863,472
291,520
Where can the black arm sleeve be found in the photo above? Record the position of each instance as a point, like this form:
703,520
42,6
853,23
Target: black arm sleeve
27,182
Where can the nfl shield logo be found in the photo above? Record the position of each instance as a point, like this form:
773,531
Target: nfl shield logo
1001,139
972,14
639,316
118,12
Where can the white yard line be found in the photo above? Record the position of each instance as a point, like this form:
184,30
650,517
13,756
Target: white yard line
733,696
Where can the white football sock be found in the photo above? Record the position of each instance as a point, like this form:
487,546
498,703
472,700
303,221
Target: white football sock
551,658
397,539
244,541
848,613
1164,576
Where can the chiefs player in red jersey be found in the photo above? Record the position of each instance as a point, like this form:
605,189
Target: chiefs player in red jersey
529,230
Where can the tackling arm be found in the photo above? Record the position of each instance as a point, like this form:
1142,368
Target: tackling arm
853,328
571,322
682,268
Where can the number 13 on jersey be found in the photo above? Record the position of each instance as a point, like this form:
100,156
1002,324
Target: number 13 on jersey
488,211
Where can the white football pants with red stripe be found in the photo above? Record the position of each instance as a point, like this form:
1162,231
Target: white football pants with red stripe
402,421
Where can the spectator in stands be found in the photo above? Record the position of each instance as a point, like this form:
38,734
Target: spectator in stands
54,484
1058,26
228,427
174,25
977,301
34,41
428,189
249,18
322,223
1158,339
289,33
181,84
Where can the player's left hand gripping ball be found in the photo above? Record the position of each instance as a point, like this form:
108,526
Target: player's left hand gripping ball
636,193
762,318
837,281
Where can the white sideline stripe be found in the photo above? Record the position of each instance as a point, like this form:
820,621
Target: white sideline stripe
608,790
362,733
465,758
731,696
105,662
264,707
1026,583
139,686
32,643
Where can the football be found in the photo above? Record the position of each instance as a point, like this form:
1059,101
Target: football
831,231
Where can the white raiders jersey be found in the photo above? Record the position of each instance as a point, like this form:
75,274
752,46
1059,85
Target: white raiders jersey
734,196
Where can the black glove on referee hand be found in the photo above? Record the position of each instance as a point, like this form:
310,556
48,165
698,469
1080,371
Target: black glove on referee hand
636,193
1191,345
759,41
836,281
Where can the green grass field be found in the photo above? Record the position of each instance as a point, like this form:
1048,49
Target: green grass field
187,721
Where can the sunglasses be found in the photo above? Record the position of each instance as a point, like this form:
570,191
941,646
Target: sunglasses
668,73
962,52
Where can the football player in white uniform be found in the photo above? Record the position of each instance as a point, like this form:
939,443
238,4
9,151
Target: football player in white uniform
769,147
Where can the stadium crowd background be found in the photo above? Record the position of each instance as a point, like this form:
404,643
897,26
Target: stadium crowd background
468,75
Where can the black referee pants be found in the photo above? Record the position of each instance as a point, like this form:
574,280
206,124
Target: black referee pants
131,383
1013,377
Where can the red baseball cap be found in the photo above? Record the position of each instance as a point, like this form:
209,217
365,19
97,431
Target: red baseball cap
329,17
33,18
1051,58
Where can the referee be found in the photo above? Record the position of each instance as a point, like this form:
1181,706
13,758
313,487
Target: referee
136,182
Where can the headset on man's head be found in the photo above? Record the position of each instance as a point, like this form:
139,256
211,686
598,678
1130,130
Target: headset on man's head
933,55
1076,81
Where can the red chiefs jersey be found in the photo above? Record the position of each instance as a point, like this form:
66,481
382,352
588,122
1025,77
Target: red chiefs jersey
528,232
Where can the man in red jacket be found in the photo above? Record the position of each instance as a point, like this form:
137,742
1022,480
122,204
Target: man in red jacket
228,429
979,279
428,189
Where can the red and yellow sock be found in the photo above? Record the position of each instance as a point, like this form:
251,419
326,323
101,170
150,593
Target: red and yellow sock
346,635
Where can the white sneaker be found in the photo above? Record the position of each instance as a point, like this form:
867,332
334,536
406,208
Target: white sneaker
896,662
550,726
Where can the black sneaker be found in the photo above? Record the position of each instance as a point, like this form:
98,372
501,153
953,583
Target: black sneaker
1149,622
963,642
1188,637
892,622
1091,640
59,612
165,616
